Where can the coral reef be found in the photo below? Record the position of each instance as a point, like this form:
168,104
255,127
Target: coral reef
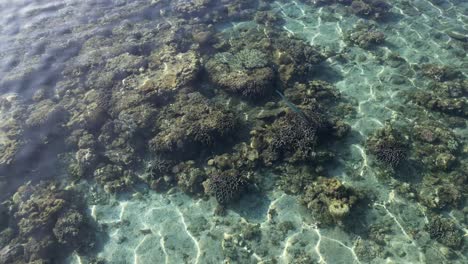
11,131
365,35
169,71
436,146
440,73
114,177
440,192
295,179
375,9
247,72
226,186
158,173
190,122
329,200
50,224
294,136
117,137
190,178
445,231
224,98
448,97
296,59
388,146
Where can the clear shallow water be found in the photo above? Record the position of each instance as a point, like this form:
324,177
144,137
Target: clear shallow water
55,56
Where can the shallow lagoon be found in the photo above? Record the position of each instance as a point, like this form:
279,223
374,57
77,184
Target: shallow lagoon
159,125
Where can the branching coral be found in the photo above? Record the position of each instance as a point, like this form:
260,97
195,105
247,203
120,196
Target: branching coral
296,134
388,146
445,231
226,186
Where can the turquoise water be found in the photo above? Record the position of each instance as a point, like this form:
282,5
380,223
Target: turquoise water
233,131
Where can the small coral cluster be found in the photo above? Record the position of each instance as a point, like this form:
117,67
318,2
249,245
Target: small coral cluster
445,231
388,146
365,36
437,146
294,136
446,97
226,186
329,200
374,9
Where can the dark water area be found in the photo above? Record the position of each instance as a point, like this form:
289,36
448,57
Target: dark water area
236,131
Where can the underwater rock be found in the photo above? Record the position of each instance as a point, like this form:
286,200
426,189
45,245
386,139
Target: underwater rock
445,231
388,146
247,72
463,37
191,122
365,35
329,200
226,186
